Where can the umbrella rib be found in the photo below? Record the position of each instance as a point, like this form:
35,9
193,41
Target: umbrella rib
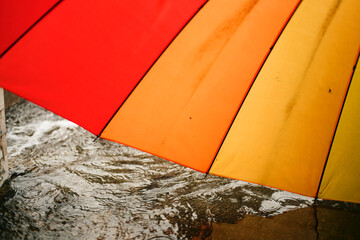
337,124
99,135
31,27
252,83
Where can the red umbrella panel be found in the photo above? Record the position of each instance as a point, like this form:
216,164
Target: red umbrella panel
246,89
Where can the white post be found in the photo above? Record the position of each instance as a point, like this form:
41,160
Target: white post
4,169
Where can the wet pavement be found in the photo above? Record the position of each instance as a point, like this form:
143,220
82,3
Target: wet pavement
63,185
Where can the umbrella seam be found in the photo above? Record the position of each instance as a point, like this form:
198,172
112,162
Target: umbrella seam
254,79
137,84
31,27
337,123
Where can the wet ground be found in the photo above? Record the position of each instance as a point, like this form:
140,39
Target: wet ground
64,185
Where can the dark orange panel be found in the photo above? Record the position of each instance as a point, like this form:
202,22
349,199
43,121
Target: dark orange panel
183,107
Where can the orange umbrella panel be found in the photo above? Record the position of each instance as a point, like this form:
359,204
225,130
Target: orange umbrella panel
184,106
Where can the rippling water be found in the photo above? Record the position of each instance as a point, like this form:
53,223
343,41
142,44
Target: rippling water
64,185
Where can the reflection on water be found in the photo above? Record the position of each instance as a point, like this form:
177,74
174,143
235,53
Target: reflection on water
65,186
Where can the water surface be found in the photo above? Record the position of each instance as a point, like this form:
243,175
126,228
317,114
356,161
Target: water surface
64,185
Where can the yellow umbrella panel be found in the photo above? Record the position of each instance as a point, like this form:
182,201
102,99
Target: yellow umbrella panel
282,134
341,180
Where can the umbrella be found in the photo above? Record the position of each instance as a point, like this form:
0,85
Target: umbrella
258,90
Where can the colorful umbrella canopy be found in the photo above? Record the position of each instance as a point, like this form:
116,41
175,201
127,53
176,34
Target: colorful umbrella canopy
264,91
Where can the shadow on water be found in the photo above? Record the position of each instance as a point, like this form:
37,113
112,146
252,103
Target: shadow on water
297,224
65,186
